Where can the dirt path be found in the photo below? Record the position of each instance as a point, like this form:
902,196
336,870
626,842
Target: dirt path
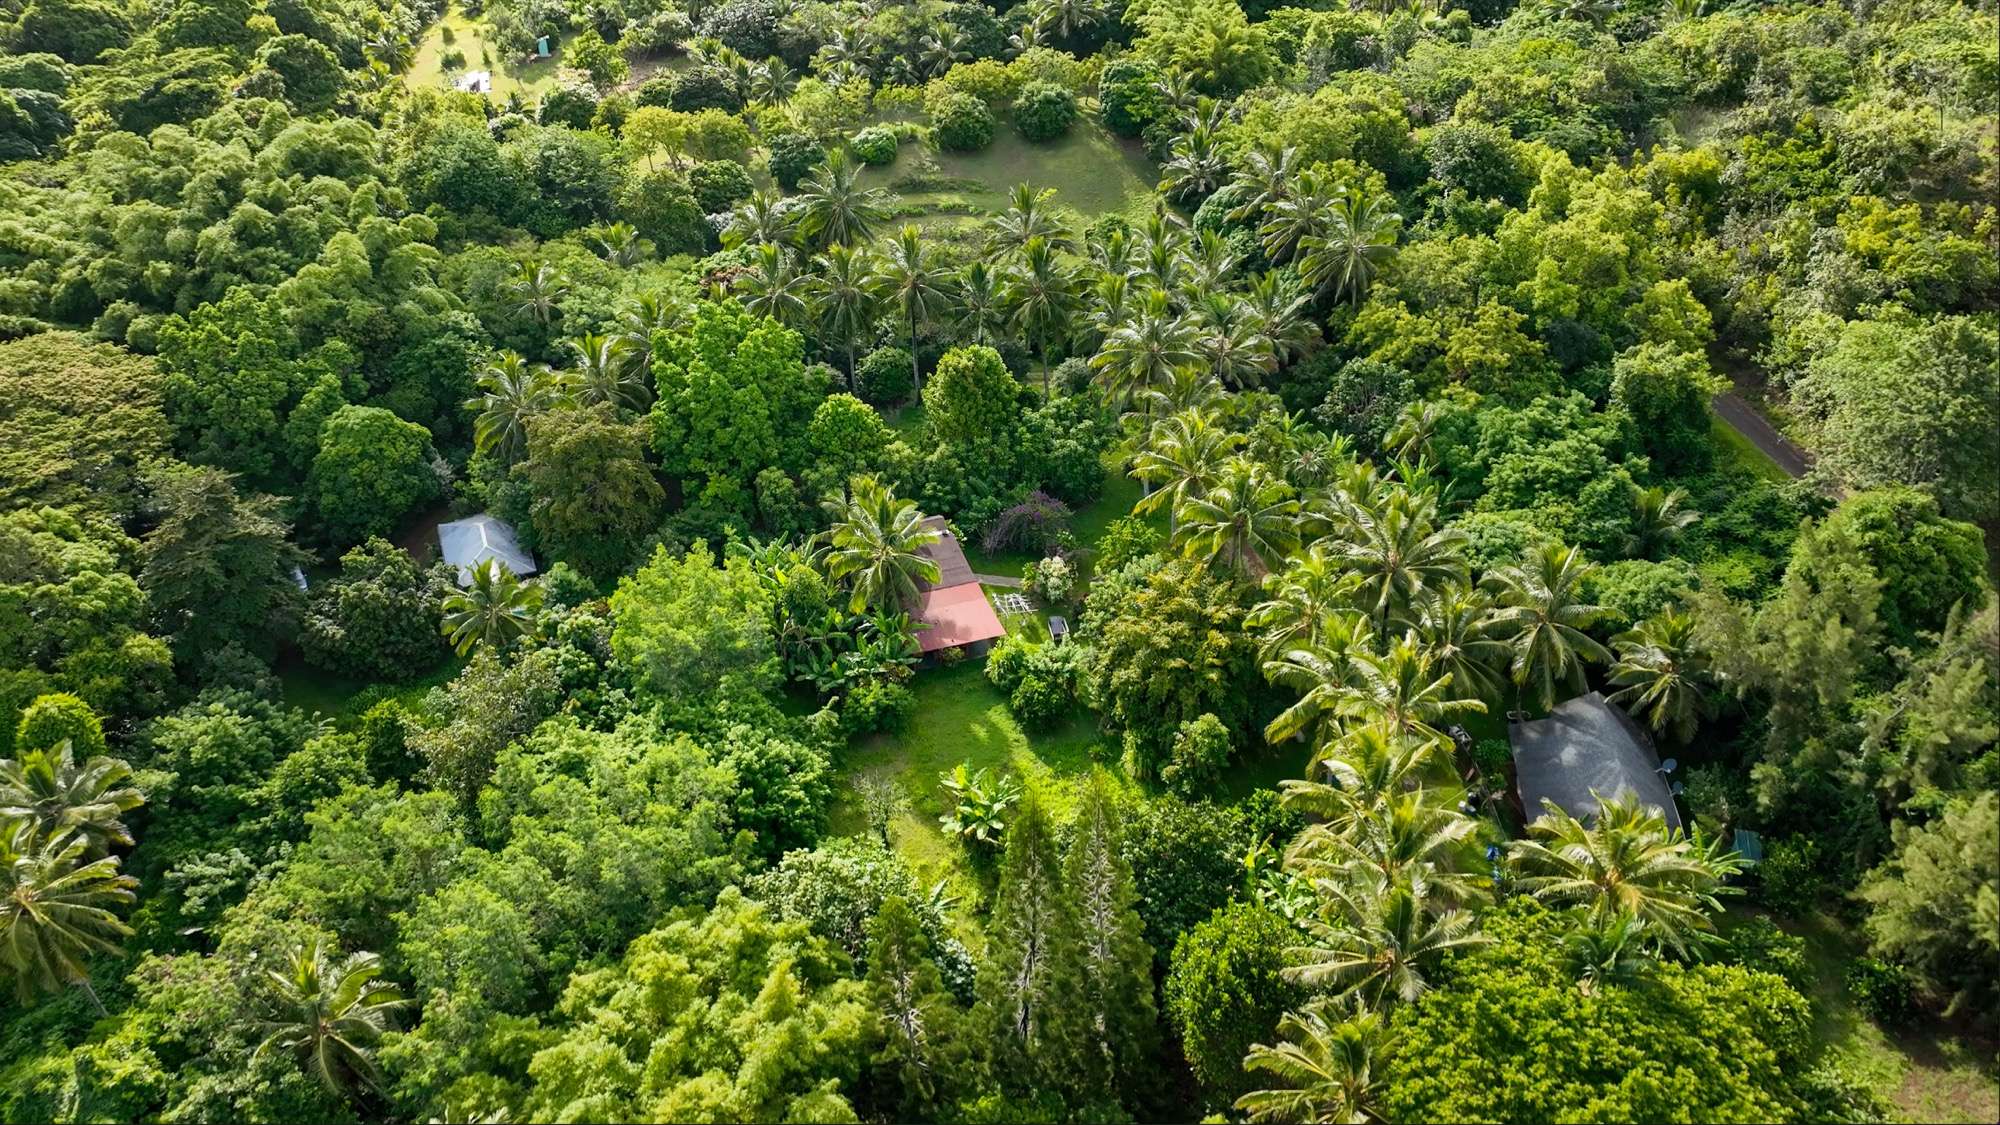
1744,419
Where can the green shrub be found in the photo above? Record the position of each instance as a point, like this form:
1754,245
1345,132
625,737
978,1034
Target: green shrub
1791,875
961,123
1039,699
1130,101
1125,539
719,185
1044,111
876,705
1759,944
1200,754
1226,992
792,156
883,376
1882,989
1007,662
874,145
53,719
1492,756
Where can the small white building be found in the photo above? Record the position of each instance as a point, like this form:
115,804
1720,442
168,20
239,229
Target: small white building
476,82
468,542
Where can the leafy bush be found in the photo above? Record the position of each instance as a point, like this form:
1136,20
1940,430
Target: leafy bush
718,185
876,704
1128,97
961,123
1225,992
792,156
1044,111
1039,699
883,376
1792,881
1051,582
706,87
874,145
1035,524
1492,756
1200,753
1759,944
1882,989
1125,539
657,91
1007,662
379,619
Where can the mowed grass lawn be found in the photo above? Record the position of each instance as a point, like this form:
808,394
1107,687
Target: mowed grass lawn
510,74
960,717
1923,1071
1092,172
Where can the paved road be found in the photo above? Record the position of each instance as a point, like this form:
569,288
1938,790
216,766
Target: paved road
1745,420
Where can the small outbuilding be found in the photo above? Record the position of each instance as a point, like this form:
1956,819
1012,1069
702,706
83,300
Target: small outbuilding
468,542
953,610
1584,750
476,82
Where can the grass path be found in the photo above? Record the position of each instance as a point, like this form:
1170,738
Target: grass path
1925,1072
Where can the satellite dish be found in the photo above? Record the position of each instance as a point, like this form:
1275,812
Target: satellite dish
1670,765
1679,788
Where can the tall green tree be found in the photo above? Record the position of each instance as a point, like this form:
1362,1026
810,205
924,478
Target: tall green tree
331,1011
1040,1037
57,907
837,209
840,298
875,546
593,494
926,1047
911,279
218,567
1115,965
1660,673
1543,616
494,610
1932,905
1042,299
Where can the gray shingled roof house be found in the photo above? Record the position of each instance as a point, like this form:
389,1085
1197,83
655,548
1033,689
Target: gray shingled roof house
1586,746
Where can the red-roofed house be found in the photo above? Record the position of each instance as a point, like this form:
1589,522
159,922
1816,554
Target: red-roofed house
953,610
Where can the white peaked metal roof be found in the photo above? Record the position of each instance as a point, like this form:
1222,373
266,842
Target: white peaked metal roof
1585,750
468,542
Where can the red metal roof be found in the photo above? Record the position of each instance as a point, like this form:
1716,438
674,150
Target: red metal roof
957,615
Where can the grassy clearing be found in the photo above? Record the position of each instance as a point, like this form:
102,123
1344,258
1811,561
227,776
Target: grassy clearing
1093,173
344,700
510,75
1737,450
960,717
1924,1071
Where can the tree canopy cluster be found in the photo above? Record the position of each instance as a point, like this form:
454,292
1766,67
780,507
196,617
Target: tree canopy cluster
1407,359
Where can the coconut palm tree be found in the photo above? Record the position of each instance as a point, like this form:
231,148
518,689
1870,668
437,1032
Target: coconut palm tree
1397,549
536,288
774,288
619,243
772,82
511,392
1543,617
56,909
1232,343
1145,350
1300,600
941,47
1042,298
1627,861
1029,213
1265,179
1161,252
1184,456
1062,20
1658,521
909,277
1299,215
46,788
1196,164
876,544
765,217
604,372
981,303
1358,243
1284,316
1405,688
493,611
1601,949
1659,673
1245,520
1396,835
1322,673
638,322
836,207
1327,1067
844,307
1455,624
330,1011
1376,943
